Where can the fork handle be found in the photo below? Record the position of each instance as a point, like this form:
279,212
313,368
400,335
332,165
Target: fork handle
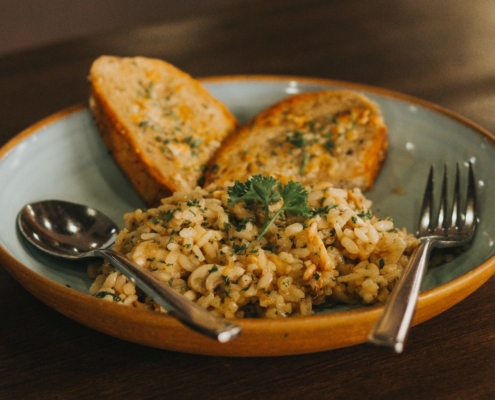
391,328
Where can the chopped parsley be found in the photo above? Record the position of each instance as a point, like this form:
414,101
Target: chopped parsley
322,210
297,139
192,203
268,191
213,269
100,295
240,225
169,215
226,279
365,215
239,248
304,162
270,247
329,145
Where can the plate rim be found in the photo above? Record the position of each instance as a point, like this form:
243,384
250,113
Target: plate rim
351,327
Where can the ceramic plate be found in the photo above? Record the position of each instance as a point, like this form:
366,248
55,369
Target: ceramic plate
62,157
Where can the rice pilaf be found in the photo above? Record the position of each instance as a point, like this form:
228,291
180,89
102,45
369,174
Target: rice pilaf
208,250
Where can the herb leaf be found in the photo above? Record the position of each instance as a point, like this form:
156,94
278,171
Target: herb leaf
295,198
259,188
100,295
322,210
365,215
266,191
297,139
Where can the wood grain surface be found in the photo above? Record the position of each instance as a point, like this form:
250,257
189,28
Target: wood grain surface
440,51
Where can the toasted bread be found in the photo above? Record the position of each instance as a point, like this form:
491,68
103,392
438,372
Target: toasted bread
333,136
160,125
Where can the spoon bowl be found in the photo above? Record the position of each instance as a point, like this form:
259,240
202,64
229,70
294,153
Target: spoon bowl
74,231
66,229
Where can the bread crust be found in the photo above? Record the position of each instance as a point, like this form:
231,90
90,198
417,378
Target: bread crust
331,136
159,124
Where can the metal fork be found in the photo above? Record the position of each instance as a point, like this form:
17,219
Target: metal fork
391,328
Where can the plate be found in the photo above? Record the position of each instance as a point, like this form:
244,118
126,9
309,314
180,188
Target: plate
62,157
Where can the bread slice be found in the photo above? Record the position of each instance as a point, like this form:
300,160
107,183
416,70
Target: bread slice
333,136
160,125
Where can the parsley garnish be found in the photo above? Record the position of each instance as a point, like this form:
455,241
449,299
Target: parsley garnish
270,247
297,139
365,215
304,162
322,210
329,145
169,215
213,269
267,191
226,279
239,248
100,295
191,142
241,225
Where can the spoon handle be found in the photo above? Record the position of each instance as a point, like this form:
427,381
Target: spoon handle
176,304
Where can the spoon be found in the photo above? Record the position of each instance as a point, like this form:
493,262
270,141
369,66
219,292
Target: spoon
73,231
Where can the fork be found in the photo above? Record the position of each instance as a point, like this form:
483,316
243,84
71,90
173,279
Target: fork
391,328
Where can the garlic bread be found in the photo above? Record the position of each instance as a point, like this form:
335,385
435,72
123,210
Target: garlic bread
160,125
332,136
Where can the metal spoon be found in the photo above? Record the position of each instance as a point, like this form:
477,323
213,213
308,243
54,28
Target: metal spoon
74,231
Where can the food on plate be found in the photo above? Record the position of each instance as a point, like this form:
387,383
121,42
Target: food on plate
159,123
280,226
332,136
260,248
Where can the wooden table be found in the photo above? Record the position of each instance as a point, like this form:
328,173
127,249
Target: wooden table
440,51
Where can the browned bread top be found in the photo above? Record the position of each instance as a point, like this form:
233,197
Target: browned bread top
333,136
159,123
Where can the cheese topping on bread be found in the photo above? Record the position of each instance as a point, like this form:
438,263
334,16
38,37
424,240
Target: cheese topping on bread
332,136
160,124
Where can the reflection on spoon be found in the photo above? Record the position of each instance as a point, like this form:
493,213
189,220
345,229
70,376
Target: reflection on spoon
73,231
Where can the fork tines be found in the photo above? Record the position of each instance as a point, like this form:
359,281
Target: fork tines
458,219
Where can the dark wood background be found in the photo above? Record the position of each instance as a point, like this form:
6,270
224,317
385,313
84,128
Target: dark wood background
442,51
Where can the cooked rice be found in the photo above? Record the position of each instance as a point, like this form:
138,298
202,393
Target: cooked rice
207,250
